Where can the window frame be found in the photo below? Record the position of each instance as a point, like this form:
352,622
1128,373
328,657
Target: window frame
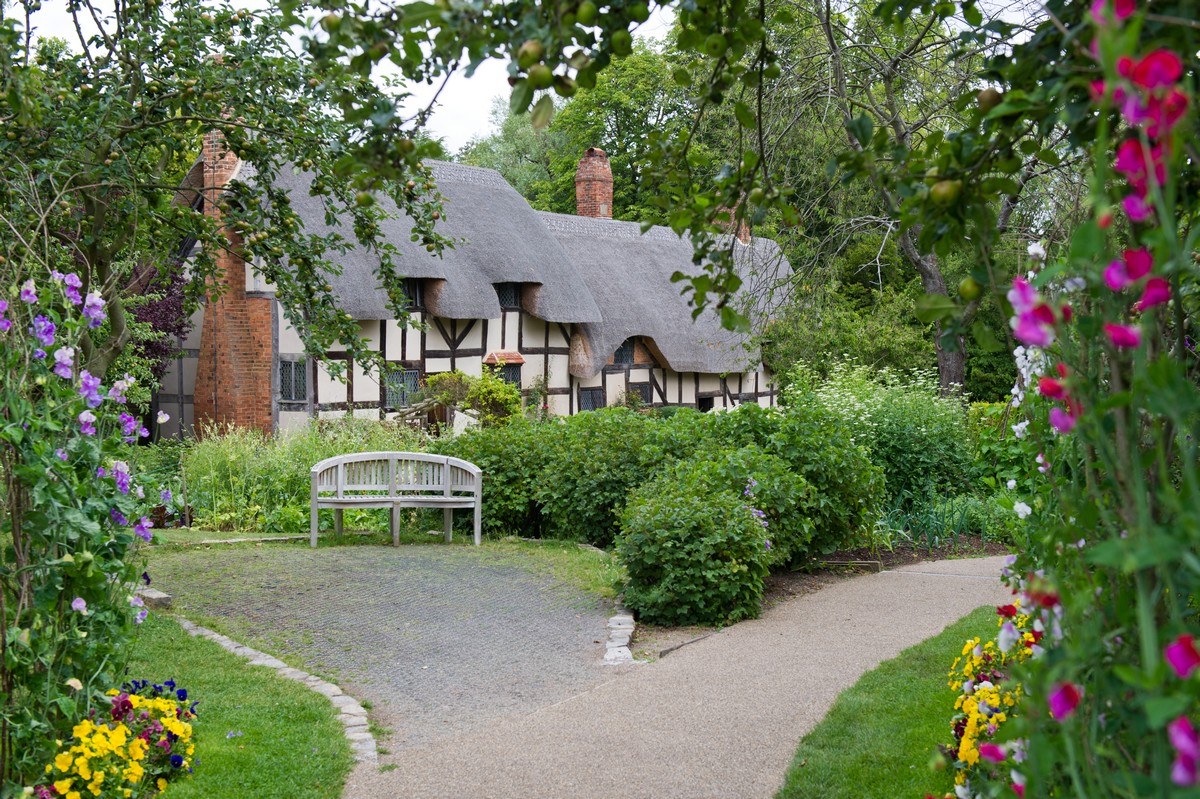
392,369
628,349
286,387
515,288
592,391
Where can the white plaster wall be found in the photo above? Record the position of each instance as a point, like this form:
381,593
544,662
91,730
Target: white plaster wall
292,421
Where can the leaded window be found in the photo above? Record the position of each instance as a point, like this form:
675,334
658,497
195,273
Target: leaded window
641,391
509,295
591,399
293,381
401,385
511,373
624,353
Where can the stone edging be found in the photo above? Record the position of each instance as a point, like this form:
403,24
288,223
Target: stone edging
620,631
351,714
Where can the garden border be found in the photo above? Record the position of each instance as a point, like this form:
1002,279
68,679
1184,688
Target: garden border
351,714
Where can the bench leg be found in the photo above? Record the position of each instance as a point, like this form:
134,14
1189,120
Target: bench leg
448,519
337,522
478,523
395,526
312,526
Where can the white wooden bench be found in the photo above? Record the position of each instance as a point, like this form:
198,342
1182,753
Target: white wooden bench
395,480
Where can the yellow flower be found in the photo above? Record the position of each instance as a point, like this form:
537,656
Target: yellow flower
62,761
62,786
162,784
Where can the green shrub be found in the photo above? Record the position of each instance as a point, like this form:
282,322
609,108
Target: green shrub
596,460
999,455
916,435
767,483
987,516
818,447
239,479
693,555
513,459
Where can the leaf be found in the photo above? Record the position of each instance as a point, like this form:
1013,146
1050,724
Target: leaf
1162,709
985,339
745,116
972,15
522,96
543,111
861,128
935,307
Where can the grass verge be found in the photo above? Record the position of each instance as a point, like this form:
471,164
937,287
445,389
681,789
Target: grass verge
256,734
880,735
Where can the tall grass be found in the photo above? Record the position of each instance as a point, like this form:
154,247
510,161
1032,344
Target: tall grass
238,479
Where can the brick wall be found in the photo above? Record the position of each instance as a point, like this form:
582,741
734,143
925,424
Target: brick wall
594,185
235,367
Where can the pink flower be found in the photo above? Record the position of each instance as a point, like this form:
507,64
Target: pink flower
1157,70
1021,295
1063,700
1019,790
1182,656
79,605
1133,266
1137,208
1104,11
1123,337
1157,292
1183,737
1028,330
992,752
1061,421
1165,112
1131,162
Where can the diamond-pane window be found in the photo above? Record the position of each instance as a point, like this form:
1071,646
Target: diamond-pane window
293,381
624,353
591,399
642,391
401,385
509,295
511,373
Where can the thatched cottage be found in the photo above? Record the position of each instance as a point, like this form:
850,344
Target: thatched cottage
581,305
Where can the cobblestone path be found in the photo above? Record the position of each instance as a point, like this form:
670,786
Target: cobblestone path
438,640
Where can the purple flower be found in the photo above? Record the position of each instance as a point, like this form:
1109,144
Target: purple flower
87,423
28,292
4,323
165,495
79,605
117,392
61,453
43,330
118,517
74,284
93,310
89,389
121,476
129,427
768,544
141,616
40,354
146,578
142,529
136,601
101,472
1186,742
64,362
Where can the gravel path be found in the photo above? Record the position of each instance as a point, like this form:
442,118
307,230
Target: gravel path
719,718
439,640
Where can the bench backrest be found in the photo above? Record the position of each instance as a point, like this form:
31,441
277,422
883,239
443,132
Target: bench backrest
394,473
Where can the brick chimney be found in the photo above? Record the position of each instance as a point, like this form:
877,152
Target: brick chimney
594,185
234,369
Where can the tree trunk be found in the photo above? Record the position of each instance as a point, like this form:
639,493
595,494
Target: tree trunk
952,363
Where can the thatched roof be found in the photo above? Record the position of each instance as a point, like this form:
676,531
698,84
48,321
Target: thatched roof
499,240
629,274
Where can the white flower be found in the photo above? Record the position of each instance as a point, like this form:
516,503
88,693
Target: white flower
1022,510
163,417
1036,251
1073,284
1019,428
1008,637
1011,484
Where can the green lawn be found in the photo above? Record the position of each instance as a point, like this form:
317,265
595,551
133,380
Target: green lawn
881,735
256,734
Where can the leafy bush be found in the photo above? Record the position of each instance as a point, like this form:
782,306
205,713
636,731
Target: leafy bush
488,398
918,436
767,483
240,479
818,447
693,555
999,454
513,459
597,458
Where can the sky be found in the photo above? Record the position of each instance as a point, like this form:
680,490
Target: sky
464,107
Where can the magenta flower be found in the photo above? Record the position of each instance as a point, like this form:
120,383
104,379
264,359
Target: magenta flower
1061,421
1049,387
64,362
29,292
1132,163
1123,337
1183,737
1063,700
87,423
1182,656
1022,295
79,605
1137,208
1105,11
1157,70
1157,292
992,752
1130,268
1028,330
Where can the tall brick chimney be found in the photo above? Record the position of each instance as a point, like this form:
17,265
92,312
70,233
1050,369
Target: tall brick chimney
235,367
594,185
